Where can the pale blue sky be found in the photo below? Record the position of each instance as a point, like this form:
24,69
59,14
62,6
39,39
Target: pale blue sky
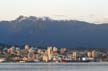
87,10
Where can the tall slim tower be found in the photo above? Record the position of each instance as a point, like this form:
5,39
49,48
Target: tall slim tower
49,51
89,54
93,53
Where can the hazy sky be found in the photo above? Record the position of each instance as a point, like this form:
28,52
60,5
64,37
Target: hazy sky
87,10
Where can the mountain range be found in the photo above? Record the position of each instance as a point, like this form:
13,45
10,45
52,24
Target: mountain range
45,31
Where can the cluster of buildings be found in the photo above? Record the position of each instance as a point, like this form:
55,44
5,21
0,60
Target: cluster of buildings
50,54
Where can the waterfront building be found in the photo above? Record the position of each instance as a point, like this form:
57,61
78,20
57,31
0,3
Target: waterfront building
39,51
31,56
25,59
18,51
89,54
54,49
30,50
93,53
26,47
74,55
63,50
2,59
11,50
45,58
37,56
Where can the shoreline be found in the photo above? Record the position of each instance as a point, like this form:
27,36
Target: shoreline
60,63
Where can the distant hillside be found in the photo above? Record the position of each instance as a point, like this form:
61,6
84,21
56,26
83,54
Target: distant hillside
61,33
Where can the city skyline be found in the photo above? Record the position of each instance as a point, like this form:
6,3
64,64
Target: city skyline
87,10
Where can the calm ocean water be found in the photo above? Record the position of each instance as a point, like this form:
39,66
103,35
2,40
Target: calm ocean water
54,67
